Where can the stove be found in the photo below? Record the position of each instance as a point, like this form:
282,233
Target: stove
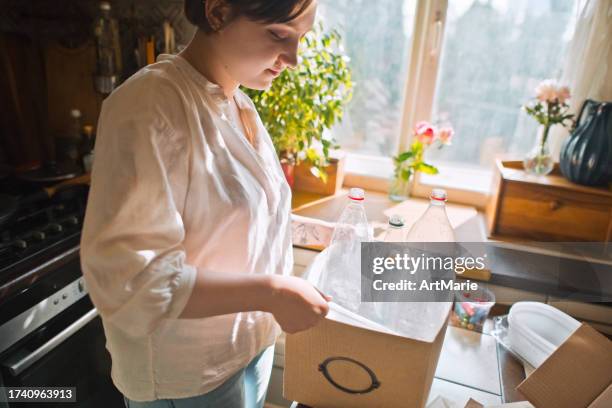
50,333
36,233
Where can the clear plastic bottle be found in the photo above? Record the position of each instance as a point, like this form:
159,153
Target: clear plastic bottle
87,148
75,125
342,278
73,139
433,226
108,54
395,230
408,318
353,224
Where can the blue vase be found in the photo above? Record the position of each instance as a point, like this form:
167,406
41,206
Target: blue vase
586,155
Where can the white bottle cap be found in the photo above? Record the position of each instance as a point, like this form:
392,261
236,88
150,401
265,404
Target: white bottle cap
396,220
438,194
356,194
75,113
105,5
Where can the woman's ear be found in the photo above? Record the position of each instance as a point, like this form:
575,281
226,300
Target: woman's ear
217,13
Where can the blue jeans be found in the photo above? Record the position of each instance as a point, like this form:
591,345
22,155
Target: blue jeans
245,389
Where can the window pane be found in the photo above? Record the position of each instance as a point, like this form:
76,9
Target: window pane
494,54
376,36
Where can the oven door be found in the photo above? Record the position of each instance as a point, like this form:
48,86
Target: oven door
69,351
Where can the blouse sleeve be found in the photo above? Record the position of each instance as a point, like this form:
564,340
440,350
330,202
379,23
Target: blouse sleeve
132,255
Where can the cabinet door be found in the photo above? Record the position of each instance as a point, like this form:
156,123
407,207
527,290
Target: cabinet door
531,211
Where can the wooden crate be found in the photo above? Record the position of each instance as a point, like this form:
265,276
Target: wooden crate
547,208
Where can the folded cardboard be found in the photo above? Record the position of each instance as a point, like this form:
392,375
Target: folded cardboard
442,402
577,375
520,404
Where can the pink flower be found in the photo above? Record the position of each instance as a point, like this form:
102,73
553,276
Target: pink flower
546,91
445,134
550,91
424,132
563,93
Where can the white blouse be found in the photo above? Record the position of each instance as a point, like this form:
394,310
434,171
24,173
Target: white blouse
175,186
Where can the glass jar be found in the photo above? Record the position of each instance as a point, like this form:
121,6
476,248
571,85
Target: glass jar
400,189
539,161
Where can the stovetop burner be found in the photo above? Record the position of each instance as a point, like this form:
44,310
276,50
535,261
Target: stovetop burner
39,228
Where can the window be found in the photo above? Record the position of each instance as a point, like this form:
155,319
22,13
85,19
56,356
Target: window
494,54
376,36
491,56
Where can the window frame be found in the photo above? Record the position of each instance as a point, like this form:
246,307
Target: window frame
374,172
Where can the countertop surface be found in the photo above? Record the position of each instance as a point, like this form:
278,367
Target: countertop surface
529,266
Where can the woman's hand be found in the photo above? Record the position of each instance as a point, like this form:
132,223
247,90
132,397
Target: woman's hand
296,304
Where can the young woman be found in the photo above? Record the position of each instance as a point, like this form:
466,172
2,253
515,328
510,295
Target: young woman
186,247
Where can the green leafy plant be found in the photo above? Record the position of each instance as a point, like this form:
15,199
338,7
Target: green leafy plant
302,102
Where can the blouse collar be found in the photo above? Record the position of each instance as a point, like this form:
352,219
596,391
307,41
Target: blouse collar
213,89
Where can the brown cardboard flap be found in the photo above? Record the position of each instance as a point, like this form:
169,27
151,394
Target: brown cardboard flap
604,400
402,368
575,375
473,404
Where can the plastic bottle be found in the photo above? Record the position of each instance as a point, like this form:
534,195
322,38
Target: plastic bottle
87,148
342,278
108,54
75,125
71,143
411,318
353,224
395,230
433,226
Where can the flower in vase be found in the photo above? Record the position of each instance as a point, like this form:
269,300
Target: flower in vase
549,108
445,135
412,161
425,132
546,91
563,94
551,92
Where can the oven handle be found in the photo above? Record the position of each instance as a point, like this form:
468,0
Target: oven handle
17,367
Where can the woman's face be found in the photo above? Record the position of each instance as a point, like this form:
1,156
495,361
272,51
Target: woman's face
254,53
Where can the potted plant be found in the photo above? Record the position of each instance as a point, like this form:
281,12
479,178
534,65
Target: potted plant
303,102
408,163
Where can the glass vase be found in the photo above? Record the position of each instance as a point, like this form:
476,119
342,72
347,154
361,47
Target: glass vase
400,189
539,161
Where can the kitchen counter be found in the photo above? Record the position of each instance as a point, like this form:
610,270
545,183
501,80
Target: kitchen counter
525,267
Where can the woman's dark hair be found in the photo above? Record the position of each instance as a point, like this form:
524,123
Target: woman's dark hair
265,11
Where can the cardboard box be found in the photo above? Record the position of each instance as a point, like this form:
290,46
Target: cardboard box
578,374
442,402
341,365
347,361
